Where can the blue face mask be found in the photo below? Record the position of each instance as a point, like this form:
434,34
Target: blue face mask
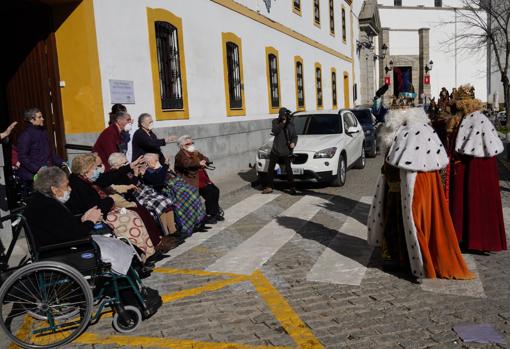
95,174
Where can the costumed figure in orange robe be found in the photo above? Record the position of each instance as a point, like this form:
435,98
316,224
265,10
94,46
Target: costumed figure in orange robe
426,240
475,198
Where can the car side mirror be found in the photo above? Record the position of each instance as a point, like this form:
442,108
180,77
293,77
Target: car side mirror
352,130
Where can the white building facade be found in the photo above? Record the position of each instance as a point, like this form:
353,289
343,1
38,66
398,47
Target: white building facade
419,31
219,70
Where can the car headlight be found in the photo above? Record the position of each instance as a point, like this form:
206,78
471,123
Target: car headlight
325,153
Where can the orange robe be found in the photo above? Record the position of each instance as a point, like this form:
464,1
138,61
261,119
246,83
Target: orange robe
436,234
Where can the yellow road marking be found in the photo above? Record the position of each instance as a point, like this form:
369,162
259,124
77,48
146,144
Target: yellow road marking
284,313
23,332
173,271
165,343
209,287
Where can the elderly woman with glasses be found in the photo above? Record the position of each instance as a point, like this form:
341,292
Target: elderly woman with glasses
191,164
52,223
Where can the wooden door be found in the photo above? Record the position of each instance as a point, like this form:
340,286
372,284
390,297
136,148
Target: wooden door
30,73
346,91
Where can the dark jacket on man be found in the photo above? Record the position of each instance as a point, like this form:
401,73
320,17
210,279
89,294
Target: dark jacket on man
284,134
52,223
84,197
147,142
34,152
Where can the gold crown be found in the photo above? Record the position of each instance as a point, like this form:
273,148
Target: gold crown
464,92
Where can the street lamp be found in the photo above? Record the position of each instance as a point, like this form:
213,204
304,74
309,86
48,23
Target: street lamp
428,67
384,50
387,70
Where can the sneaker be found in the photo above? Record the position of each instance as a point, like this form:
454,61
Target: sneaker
267,191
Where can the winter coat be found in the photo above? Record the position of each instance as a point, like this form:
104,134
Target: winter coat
147,142
34,152
84,197
188,166
108,142
284,134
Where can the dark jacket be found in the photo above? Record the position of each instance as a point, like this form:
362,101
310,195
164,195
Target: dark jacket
187,166
147,142
108,142
34,152
52,223
156,178
284,134
84,197
122,176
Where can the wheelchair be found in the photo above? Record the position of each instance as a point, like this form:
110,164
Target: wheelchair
56,292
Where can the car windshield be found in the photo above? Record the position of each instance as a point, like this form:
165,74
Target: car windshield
364,116
319,124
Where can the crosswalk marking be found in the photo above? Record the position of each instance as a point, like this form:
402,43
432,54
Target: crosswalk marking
232,215
256,250
348,267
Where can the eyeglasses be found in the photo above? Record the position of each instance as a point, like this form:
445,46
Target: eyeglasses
189,144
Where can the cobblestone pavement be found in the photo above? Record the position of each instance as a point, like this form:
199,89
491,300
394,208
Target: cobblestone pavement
295,272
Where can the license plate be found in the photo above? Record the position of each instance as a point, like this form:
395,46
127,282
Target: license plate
296,171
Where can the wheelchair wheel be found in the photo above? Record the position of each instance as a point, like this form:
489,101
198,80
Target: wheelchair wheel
130,323
45,305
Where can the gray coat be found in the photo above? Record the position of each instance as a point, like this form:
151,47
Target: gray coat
284,134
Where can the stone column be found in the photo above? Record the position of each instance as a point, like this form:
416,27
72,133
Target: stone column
424,58
384,38
367,71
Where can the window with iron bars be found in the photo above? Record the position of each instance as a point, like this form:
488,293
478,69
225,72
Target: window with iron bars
333,87
344,26
316,12
397,2
438,3
297,5
331,17
234,76
169,66
318,81
273,80
300,85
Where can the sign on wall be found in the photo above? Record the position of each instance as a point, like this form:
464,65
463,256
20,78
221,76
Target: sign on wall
426,80
122,91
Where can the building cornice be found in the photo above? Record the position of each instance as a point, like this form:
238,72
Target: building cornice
420,8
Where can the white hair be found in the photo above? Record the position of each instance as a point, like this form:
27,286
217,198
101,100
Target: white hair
396,118
183,139
116,159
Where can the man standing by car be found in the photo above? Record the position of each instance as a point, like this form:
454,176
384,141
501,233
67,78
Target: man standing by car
285,139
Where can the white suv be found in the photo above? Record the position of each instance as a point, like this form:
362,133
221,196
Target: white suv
329,142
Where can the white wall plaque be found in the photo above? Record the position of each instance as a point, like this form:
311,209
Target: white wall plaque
122,91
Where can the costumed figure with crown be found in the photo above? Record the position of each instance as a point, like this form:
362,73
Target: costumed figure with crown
475,198
409,217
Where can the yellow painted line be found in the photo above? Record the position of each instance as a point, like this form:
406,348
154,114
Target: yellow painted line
165,343
23,332
284,313
173,271
209,287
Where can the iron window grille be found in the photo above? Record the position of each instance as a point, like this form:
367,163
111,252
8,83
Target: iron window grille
169,66
318,79
438,3
316,11
273,80
331,17
300,85
333,86
234,76
344,26
397,3
297,5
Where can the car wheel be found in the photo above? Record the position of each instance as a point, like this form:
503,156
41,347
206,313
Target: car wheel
339,179
361,162
373,151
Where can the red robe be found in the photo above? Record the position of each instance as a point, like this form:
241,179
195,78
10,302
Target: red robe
476,204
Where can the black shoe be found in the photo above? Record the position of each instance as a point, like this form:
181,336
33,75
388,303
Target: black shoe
211,220
220,218
293,191
156,257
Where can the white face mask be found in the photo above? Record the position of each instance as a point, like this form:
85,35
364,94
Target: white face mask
127,128
190,148
65,197
158,165
149,127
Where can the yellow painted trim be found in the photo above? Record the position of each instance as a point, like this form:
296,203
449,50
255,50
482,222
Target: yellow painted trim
272,50
293,325
343,16
209,287
231,37
153,15
295,10
319,107
163,343
333,102
300,60
173,271
76,41
243,10
332,17
352,51
317,24
346,89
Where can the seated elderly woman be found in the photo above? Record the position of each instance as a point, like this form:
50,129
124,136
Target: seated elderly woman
190,165
126,180
51,222
86,194
189,210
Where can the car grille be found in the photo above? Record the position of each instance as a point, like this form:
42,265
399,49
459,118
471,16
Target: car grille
300,159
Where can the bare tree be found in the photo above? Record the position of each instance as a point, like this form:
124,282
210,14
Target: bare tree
486,24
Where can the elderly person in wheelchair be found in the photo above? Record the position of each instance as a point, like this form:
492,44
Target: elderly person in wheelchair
73,275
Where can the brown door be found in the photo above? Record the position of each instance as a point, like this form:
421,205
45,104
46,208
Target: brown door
30,73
